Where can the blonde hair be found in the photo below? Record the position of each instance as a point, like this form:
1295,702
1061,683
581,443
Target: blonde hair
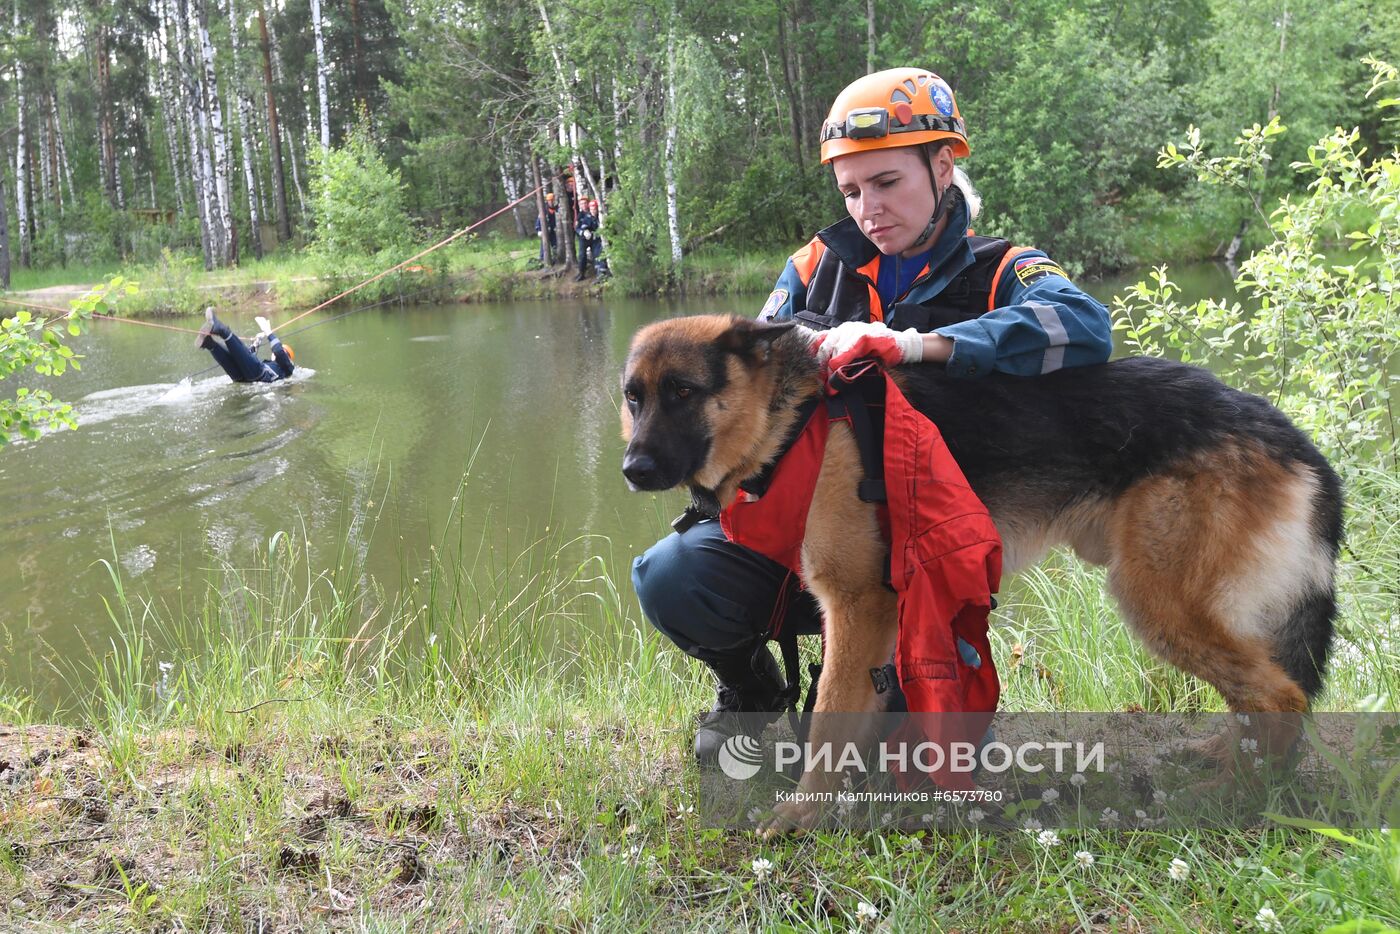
970,195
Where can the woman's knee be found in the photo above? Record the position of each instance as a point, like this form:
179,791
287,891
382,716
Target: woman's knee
703,592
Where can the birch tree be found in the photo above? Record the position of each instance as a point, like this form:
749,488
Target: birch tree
274,131
21,156
673,224
199,150
245,138
227,234
321,81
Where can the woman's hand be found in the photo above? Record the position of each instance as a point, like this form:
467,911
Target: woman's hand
856,340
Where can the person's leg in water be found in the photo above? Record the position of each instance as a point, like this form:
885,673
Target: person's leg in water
240,363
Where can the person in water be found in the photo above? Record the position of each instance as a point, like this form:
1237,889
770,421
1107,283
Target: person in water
240,361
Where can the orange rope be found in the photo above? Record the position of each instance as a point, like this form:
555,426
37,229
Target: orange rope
63,311
354,288
436,246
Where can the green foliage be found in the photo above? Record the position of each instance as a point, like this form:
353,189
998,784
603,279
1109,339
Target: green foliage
1321,339
357,199
30,344
1060,137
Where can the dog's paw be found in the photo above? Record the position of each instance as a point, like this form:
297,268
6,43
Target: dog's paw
790,817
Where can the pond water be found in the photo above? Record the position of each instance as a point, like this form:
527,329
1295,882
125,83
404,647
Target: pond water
168,478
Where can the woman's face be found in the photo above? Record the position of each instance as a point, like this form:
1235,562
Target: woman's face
887,192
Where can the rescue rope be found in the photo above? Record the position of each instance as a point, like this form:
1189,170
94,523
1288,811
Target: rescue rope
330,301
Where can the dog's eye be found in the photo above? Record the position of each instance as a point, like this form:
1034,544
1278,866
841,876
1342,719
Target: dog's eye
682,392
631,396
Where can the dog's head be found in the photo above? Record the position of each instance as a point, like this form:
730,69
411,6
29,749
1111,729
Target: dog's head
697,396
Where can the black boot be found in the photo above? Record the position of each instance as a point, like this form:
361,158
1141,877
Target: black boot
749,683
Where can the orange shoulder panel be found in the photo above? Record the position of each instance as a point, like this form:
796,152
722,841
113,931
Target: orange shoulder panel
871,271
805,260
1011,253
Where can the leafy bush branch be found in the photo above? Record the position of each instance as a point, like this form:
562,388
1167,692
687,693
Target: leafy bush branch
30,344
1321,336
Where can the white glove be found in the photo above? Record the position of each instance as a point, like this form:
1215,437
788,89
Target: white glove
909,344
587,234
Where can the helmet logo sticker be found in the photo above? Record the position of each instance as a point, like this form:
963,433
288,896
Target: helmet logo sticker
942,98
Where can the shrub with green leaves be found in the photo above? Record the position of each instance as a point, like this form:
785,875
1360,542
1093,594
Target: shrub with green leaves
358,201
1321,339
29,344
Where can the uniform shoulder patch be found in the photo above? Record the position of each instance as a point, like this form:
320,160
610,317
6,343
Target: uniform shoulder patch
1030,268
775,301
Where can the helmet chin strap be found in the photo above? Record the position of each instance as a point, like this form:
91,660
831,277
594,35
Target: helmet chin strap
941,201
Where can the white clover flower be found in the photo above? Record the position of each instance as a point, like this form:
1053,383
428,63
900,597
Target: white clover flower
1048,838
866,911
927,819
1268,920
1084,859
1179,870
754,815
1243,718
762,868
1049,796
1249,744
975,815
1140,814
683,809
913,843
1258,762
1159,797
1031,825
1109,816
1078,780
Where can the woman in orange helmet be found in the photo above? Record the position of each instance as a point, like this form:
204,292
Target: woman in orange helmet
901,278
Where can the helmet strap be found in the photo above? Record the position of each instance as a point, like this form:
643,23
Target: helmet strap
941,200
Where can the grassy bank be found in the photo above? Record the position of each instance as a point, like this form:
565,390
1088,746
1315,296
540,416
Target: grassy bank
497,740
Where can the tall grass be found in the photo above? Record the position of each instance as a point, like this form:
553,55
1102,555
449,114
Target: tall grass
497,738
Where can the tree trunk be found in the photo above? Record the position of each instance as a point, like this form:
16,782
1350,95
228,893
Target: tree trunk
21,159
199,150
296,177
512,192
791,93
672,212
45,156
228,234
63,162
321,81
361,95
170,110
4,238
106,140
869,36
564,228
274,132
546,254
245,138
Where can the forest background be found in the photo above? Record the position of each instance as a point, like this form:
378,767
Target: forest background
215,131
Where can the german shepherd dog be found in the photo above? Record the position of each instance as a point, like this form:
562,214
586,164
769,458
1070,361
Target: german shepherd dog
1218,520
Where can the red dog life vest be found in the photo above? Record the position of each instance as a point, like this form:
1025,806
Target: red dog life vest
945,564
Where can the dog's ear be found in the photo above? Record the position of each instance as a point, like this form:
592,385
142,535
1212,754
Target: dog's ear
749,337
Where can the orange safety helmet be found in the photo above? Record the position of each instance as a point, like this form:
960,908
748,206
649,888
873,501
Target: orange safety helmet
893,108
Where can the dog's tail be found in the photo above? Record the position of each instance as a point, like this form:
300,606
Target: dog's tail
1303,642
